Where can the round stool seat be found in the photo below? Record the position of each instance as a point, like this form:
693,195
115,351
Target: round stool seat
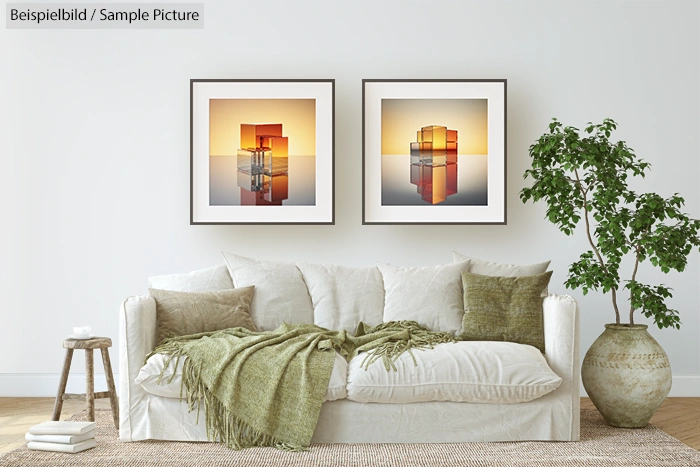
92,343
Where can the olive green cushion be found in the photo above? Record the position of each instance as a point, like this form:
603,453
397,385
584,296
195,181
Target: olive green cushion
185,313
504,308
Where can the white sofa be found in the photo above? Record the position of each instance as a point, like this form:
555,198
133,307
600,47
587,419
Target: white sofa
403,411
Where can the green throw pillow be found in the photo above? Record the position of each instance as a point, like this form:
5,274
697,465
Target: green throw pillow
504,308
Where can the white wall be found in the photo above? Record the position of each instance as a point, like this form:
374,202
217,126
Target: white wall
94,147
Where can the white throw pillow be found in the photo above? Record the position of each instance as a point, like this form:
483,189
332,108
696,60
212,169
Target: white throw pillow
344,296
489,268
473,371
280,292
212,279
150,373
431,296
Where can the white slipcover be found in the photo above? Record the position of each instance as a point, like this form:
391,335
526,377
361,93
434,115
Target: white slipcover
553,417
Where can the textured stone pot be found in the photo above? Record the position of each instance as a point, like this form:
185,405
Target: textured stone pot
627,375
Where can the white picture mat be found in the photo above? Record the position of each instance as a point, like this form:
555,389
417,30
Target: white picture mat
375,91
202,92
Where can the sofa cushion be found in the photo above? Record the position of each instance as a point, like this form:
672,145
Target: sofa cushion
431,296
504,308
490,268
280,292
150,373
480,372
343,296
183,313
202,280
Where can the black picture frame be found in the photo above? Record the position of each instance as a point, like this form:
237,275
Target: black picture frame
219,110
475,107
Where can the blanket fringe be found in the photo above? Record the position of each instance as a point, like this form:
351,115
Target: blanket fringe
419,338
222,425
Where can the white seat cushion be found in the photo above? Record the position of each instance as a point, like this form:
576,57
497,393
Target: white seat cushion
476,371
344,296
150,372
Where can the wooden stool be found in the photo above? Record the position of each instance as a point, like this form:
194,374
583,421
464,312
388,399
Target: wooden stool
102,343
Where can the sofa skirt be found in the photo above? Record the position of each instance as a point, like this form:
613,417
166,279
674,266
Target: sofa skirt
343,421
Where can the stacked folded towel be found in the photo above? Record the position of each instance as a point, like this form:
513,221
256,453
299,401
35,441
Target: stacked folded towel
62,436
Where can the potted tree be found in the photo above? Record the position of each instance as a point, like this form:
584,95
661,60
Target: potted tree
582,176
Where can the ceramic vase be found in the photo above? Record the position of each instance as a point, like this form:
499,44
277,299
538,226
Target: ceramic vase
627,375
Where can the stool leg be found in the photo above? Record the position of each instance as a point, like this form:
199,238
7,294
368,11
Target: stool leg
90,385
58,405
110,386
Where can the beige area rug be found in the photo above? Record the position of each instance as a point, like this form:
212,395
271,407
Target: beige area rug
600,445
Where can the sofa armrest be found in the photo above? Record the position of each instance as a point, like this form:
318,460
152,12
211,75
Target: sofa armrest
137,337
561,343
561,335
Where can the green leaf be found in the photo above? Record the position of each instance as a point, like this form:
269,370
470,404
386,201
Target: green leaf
584,176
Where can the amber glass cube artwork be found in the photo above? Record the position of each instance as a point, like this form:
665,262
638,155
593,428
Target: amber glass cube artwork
433,157
427,134
451,136
415,152
251,132
278,145
431,182
435,134
434,183
276,188
254,160
256,198
248,136
261,189
451,179
436,146
267,149
439,138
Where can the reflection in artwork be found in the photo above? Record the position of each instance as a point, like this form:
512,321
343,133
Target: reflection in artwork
435,183
262,189
263,165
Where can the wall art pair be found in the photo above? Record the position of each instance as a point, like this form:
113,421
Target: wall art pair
263,151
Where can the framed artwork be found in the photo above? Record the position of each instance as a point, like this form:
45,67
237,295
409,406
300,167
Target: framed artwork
434,151
262,151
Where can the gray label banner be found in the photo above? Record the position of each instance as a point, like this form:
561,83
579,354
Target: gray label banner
105,16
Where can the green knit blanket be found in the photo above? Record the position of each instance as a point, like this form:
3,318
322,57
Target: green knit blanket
266,388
